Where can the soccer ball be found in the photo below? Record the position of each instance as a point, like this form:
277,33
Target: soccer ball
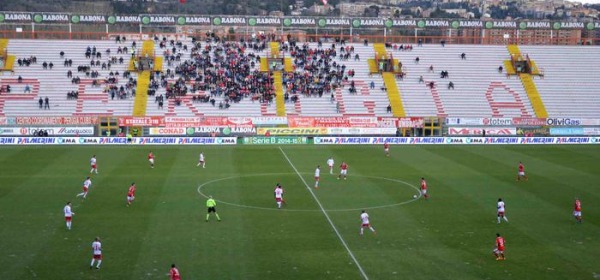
415,196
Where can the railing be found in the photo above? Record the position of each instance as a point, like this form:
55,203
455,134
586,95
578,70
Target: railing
398,39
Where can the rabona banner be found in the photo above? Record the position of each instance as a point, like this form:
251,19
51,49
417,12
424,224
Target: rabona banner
293,22
118,141
52,131
454,140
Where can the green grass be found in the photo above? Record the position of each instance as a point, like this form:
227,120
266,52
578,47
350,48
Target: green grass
449,236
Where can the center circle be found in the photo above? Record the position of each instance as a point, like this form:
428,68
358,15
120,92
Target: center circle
412,199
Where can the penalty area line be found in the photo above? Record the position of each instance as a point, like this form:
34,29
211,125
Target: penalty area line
362,272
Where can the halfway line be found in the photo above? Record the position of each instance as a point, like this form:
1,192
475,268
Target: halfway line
326,216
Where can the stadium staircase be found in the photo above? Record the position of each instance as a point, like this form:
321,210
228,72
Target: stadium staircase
141,94
3,44
389,80
264,64
393,94
9,60
274,49
528,83
279,98
288,65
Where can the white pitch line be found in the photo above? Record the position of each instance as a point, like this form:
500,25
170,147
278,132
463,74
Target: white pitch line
362,272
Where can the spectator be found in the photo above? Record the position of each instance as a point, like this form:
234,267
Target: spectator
500,69
50,65
420,42
417,60
443,43
389,108
27,89
41,102
46,103
62,54
431,84
7,88
372,86
430,68
450,85
421,80
44,65
463,56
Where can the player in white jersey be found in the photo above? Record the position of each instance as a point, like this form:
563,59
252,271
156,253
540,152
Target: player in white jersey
86,186
201,160
68,214
317,176
330,163
278,195
97,251
500,208
93,165
364,218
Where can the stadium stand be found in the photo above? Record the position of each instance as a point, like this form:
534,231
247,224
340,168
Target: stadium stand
566,82
569,83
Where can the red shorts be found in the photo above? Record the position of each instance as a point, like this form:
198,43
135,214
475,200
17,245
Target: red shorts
500,214
94,166
316,178
97,257
365,225
68,219
85,189
278,199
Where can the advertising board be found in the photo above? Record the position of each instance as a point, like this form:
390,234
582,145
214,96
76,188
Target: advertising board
274,140
141,121
492,131
292,131
51,130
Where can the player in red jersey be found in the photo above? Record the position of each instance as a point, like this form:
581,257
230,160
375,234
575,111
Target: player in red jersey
279,195
151,159
521,174
93,165
174,273
577,211
343,170
499,250
386,149
424,188
130,194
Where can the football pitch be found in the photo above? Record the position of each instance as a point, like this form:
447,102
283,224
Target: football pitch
316,234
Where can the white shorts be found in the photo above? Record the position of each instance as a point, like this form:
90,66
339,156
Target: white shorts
424,191
577,213
130,198
521,173
330,166
344,171
496,251
151,160
386,150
